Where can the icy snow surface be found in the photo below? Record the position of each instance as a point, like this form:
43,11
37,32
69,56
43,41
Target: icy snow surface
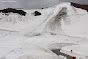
33,37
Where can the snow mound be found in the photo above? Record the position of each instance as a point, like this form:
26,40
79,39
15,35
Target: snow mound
31,52
64,19
52,24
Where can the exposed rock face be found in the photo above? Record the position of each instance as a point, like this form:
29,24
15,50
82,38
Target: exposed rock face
37,13
80,6
9,10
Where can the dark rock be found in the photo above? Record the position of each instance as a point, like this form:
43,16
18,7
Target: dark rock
57,51
37,13
85,7
9,10
42,8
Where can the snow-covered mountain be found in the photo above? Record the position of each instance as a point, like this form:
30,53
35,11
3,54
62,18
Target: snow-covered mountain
33,37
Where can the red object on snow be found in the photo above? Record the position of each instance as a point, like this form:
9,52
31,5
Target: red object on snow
73,57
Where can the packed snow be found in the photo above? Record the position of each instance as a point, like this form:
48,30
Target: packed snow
33,37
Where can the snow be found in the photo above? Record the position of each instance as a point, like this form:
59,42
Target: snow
31,52
77,50
33,37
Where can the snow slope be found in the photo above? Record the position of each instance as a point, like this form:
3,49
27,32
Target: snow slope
33,37
31,52
50,21
77,50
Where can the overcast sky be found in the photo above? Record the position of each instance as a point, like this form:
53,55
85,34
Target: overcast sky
33,4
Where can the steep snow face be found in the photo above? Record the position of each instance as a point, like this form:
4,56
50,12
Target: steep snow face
76,24
60,19
69,23
60,12
52,24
